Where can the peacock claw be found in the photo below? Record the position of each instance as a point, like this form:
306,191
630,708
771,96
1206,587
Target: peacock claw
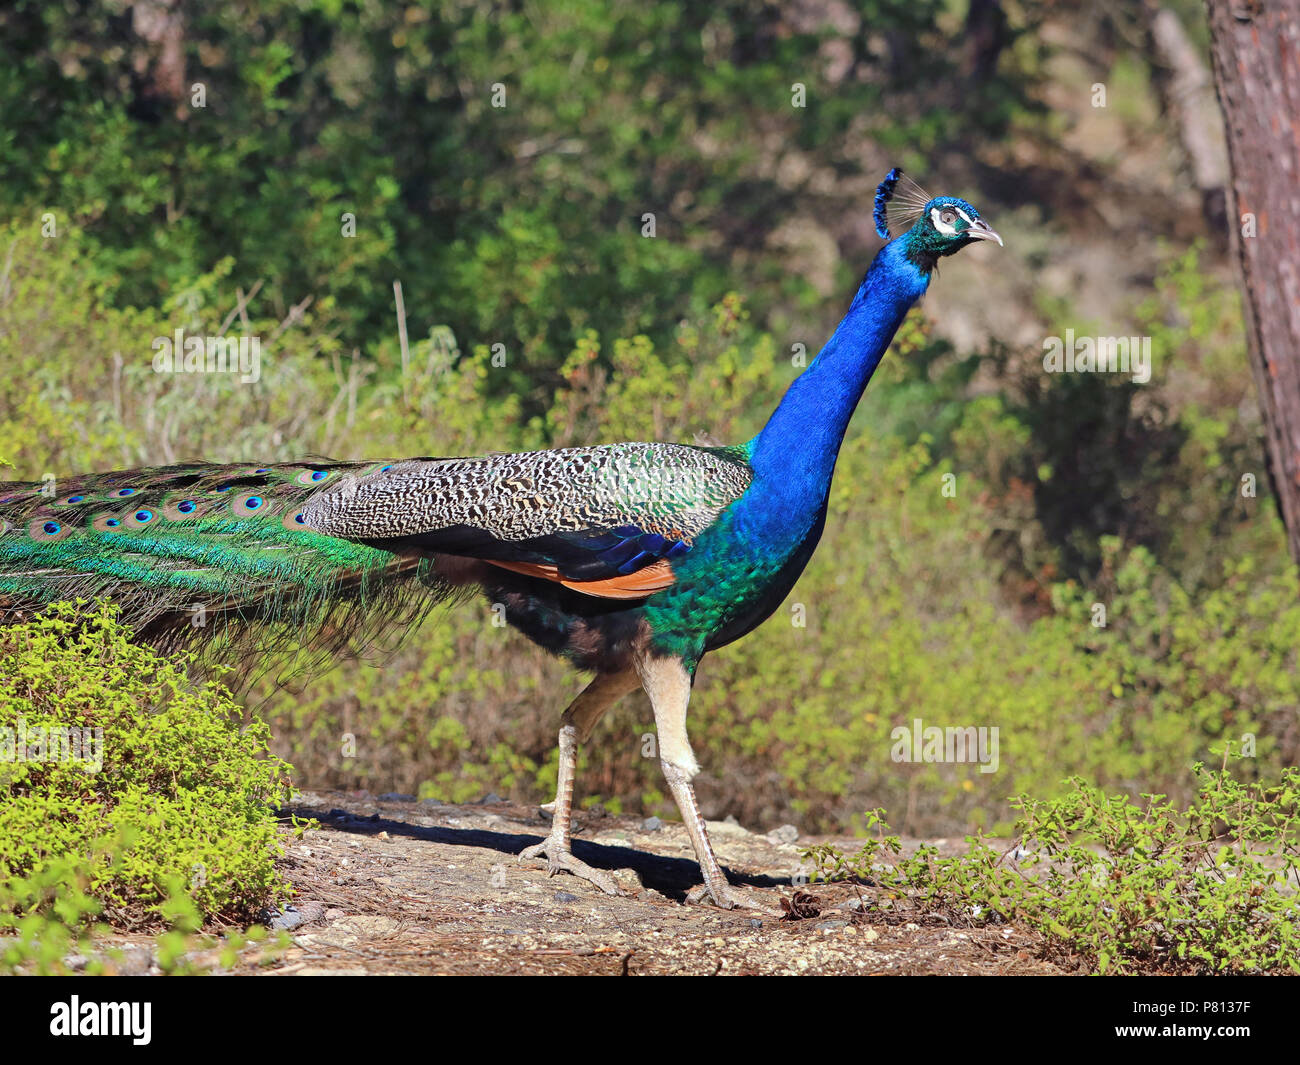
559,858
730,898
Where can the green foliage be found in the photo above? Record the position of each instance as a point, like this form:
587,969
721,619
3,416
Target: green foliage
496,159
1123,888
1174,465
45,916
158,810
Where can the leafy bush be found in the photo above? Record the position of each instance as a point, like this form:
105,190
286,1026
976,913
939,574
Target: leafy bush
158,801
1120,887
496,160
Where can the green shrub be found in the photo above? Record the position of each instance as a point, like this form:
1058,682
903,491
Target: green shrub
1124,888
162,803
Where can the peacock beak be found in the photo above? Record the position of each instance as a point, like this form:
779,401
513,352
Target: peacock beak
981,231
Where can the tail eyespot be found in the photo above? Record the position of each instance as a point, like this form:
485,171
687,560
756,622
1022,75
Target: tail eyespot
252,503
48,529
181,509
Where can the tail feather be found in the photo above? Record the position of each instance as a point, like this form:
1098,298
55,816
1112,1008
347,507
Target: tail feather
204,552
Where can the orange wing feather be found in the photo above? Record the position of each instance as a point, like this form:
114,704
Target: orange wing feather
644,582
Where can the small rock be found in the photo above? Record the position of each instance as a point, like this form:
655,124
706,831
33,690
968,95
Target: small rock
651,824
382,835
311,911
75,962
286,919
334,913
565,896
870,935
490,798
784,834
432,802
135,962
396,796
829,926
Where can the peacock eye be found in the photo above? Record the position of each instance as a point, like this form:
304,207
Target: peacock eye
948,216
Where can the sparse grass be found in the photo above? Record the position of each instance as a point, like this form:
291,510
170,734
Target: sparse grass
1122,888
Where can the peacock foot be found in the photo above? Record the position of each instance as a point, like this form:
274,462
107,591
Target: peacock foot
731,898
560,858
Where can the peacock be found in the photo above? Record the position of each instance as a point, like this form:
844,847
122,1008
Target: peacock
630,560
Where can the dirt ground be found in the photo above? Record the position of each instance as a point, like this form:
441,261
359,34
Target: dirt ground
391,885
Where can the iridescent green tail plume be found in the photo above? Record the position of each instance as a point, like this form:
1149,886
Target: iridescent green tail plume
204,552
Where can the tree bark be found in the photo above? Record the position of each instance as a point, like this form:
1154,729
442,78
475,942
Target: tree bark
158,60
1255,46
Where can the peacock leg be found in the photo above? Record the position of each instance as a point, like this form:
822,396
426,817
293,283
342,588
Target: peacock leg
575,727
668,684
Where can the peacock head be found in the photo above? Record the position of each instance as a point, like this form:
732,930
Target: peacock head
941,225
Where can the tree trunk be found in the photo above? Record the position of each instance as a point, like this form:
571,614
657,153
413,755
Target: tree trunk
1186,93
158,60
1255,45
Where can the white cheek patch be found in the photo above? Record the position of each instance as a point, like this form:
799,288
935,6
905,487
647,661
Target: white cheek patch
941,226
969,220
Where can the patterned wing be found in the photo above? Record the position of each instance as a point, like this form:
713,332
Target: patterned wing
608,520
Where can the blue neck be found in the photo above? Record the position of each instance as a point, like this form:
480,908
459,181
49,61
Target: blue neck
798,446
